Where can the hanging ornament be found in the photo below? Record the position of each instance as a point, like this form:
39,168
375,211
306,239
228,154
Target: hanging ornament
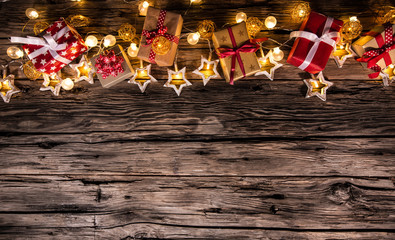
388,75
241,17
268,65
300,11
142,77
7,88
161,45
78,21
109,64
317,87
52,83
206,28
30,71
207,69
177,80
84,70
351,29
341,53
127,32
39,27
254,26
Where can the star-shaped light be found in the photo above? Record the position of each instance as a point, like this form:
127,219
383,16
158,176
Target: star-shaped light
84,70
142,77
341,53
388,75
7,88
177,80
317,87
268,65
52,83
207,70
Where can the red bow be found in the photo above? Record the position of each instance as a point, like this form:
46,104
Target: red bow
109,64
150,35
375,55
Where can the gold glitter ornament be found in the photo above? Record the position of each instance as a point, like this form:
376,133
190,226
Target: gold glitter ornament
351,29
78,21
254,26
161,45
300,11
206,28
39,27
30,71
127,32
389,17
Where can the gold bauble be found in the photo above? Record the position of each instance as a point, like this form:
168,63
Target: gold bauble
389,17
30,71
300,11
254,26
127,32
351,29
39,27
78,21
161,45
206,28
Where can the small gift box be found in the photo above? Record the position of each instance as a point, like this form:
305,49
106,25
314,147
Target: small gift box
160,36
376,48
314,42
236,52
60,45
112,66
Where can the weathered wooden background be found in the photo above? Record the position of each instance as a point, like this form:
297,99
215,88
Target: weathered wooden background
251,161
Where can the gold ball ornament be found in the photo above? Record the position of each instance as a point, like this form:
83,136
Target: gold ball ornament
78,21
127,32
30,71
300,11
351,29
39,27
389,17
206,28
254,26
161,45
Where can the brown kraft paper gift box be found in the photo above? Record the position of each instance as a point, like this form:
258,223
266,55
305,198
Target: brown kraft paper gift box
173,22
250,62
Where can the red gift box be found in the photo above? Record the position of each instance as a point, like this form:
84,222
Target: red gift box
314,42
60,45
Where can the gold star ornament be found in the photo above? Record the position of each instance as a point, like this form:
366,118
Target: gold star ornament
84,70
388,75
7,88
142,77
341,53
52,83
317,87
268,65
177,80
207,70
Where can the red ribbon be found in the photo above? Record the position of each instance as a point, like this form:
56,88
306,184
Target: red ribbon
375,55
249,46
159,31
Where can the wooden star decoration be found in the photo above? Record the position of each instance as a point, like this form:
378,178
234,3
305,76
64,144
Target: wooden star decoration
207,70
317,87
177,80
7,88
388,75
52,83
142,77
268,65
84,70
342,53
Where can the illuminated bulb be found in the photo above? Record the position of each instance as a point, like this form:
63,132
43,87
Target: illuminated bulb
270,22
133,50
193,38
341,47
277,54
14,52
31,13
67,84
301,13
353,19
240,17
109,41
391,66
143,8
91,41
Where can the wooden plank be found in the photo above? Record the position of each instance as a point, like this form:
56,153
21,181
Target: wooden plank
317,157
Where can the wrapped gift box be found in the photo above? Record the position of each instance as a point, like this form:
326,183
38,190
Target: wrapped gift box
222,39
160,23
309,55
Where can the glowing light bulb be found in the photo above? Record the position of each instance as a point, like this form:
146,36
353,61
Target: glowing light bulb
91,41
193,38
67,84
270,22
109,41
14,52
353,19
240,17
143,8
133,50
277,54
391,66
31,13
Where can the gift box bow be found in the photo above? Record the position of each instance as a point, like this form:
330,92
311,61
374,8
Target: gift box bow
385,44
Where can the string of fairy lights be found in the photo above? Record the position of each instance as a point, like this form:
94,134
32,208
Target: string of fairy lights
85,70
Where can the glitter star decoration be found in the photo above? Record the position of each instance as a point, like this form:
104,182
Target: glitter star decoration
52,83
7,88
142,77
342,53
268,65
207,70
317,87
177,80
84,70
388,75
